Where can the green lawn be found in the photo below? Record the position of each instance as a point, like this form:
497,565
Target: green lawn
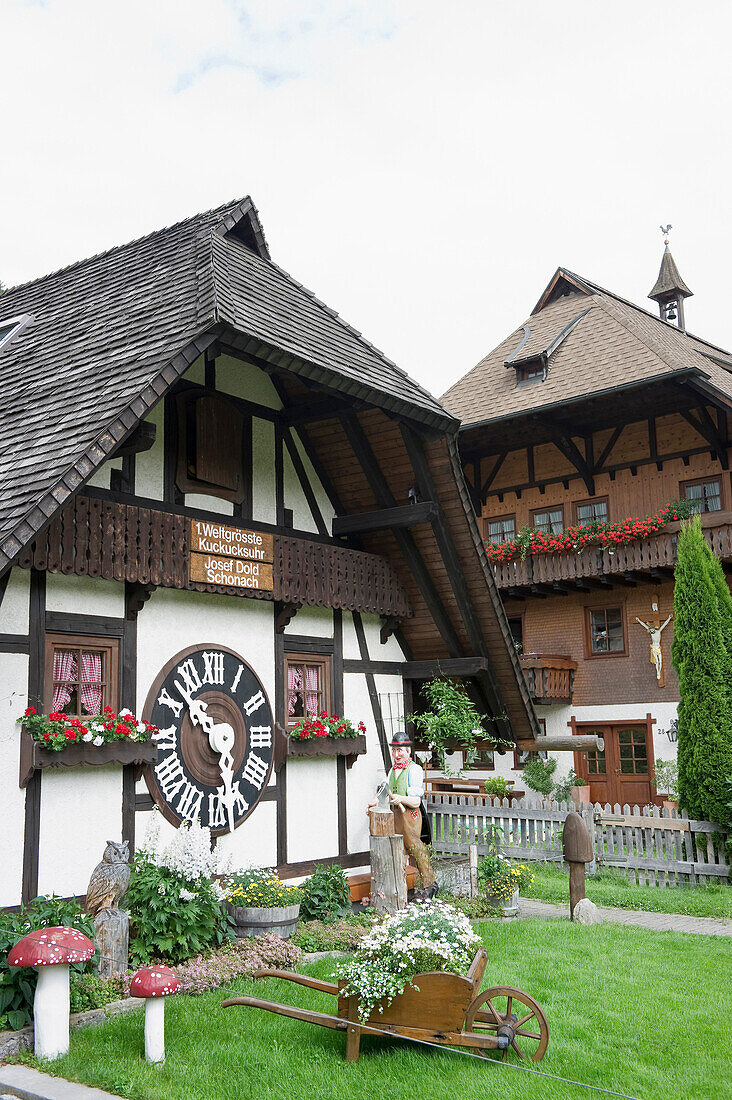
611,888
639,1012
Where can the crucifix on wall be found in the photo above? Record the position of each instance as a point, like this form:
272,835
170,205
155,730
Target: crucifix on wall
655,628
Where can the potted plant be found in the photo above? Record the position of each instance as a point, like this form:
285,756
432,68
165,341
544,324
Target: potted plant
259,903
326,734
497,787
572,788
451,723
502,880
56,739
666,781
539,775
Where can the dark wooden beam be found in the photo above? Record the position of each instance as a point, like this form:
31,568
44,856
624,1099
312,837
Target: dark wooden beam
317,410
485,678
140,439
405,515
371,688
304,480
617,432
385,498
572,453
492,475
456,666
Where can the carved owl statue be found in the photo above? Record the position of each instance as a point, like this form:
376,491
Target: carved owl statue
109,879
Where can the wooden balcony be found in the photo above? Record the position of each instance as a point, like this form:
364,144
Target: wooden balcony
550,677
644,560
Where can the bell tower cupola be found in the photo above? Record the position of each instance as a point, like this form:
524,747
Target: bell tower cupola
670,289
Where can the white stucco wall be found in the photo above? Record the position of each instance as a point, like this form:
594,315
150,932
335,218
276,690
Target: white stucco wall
13,701
302,516
149,464
264,508
390,651
102,475
247,381
14,607
85,595
313,622
312,808
81,809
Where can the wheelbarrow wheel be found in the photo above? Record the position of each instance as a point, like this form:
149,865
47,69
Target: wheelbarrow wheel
511,1013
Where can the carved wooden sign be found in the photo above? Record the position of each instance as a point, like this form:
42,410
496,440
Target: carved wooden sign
232,556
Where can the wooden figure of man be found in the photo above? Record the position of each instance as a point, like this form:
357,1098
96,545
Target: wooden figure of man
406,788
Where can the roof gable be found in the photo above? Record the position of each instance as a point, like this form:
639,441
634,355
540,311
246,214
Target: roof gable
112,333
613,344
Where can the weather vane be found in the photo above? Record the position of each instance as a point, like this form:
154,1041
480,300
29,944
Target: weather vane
666,229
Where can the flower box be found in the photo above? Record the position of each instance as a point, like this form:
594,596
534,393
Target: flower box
350,747
33,756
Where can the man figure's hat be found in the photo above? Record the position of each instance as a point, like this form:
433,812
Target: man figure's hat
401,740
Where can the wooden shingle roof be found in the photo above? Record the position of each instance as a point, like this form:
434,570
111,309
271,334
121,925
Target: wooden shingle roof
110,334
613,344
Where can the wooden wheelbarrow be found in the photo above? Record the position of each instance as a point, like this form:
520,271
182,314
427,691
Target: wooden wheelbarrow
437,1008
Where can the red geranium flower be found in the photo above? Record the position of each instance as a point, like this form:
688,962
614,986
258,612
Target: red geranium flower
47,736
70,734
28,711
122,730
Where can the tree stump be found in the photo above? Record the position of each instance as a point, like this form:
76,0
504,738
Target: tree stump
381,823
388,878
112,937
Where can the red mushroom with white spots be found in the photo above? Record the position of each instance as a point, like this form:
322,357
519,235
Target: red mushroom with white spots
153,983
51,951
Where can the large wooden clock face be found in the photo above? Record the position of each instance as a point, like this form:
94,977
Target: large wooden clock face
215,745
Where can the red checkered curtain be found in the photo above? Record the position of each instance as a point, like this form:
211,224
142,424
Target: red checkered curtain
90,687
311,690
64,675
294,687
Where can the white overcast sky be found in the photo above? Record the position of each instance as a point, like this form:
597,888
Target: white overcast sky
422,166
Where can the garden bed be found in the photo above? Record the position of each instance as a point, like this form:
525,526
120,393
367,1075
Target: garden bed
202,1039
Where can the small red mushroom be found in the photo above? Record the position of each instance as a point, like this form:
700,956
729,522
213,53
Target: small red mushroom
50,951
153,983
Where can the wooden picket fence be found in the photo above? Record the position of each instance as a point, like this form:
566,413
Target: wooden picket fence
654,847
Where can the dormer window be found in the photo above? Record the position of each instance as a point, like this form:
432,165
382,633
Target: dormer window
532,371
10,327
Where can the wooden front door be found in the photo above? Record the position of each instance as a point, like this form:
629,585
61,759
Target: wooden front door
623,771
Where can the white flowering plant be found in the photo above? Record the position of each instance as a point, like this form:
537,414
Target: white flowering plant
423,937
175,896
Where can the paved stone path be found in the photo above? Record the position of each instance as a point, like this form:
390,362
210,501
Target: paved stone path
30,1084
658,922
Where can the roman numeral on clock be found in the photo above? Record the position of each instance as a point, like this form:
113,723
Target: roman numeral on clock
255,770
254,703
165,739
217,806
191,680
260,737
213,671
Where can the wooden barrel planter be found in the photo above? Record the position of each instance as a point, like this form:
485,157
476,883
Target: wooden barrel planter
254,921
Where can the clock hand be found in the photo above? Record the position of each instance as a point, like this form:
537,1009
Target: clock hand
221,739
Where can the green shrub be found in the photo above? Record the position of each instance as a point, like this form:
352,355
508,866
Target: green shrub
562,789
340,935
538,775
700,654
88,991
18,984
326,894
497,786
172,917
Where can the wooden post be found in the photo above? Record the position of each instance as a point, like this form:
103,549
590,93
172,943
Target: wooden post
388,878
473,852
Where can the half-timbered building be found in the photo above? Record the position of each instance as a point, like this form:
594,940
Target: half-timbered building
221,508
594,409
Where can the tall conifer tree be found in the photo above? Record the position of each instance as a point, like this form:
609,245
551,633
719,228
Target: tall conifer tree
702,633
